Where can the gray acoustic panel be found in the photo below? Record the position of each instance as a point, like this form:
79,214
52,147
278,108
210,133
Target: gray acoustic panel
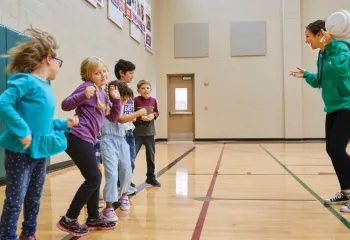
248,38
191,40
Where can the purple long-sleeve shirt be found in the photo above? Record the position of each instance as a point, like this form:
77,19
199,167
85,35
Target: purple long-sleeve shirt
90,116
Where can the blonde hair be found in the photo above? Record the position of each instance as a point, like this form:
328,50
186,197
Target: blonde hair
87,68
28,56
143,82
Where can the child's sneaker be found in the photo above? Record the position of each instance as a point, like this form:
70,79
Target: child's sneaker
132,191
23,237
154,182
109,215
124,203
345,208
72,227
339,198
99,224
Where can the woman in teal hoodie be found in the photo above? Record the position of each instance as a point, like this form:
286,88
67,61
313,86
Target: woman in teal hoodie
333,77
27,107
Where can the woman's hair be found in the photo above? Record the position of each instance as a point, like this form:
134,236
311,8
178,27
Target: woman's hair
27,56
316,26
87,69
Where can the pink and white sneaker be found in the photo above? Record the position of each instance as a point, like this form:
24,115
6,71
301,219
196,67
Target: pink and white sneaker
109,215
124,203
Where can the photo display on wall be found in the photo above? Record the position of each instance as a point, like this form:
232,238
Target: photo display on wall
100,2
139,12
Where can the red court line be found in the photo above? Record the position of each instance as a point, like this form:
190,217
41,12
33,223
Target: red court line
201,218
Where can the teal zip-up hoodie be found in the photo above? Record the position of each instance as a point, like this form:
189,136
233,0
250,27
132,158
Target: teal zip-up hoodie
27,106
333,76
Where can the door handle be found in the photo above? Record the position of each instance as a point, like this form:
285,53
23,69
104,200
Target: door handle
171,113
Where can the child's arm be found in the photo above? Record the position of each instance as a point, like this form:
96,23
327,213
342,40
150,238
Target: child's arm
60,125
115,110
16,90
129,117
65,125
136,105
116,104
77,97
155,114
155,110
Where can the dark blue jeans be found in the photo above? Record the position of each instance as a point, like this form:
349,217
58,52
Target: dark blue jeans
25,179
130,139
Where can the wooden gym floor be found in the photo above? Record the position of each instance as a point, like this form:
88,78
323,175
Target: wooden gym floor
217,191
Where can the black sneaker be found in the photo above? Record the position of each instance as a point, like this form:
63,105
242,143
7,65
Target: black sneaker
132,184
116,205
339,198
153,182
99,224
72,227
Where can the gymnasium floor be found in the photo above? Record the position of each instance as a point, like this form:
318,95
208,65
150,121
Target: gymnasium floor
217,191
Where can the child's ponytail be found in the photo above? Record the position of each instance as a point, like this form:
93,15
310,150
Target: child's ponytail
108,107
99,104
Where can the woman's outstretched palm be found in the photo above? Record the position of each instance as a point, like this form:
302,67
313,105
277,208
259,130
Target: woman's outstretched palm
298,74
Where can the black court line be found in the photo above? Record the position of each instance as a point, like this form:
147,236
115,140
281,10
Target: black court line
143,185
315,195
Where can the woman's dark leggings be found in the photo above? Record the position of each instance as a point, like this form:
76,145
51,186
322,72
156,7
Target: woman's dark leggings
337,138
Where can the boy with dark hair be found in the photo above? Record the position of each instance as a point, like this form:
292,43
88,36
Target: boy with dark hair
124,70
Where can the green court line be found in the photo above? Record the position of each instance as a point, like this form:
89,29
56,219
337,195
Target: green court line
332,210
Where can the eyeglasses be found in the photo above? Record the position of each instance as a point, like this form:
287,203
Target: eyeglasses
60,61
